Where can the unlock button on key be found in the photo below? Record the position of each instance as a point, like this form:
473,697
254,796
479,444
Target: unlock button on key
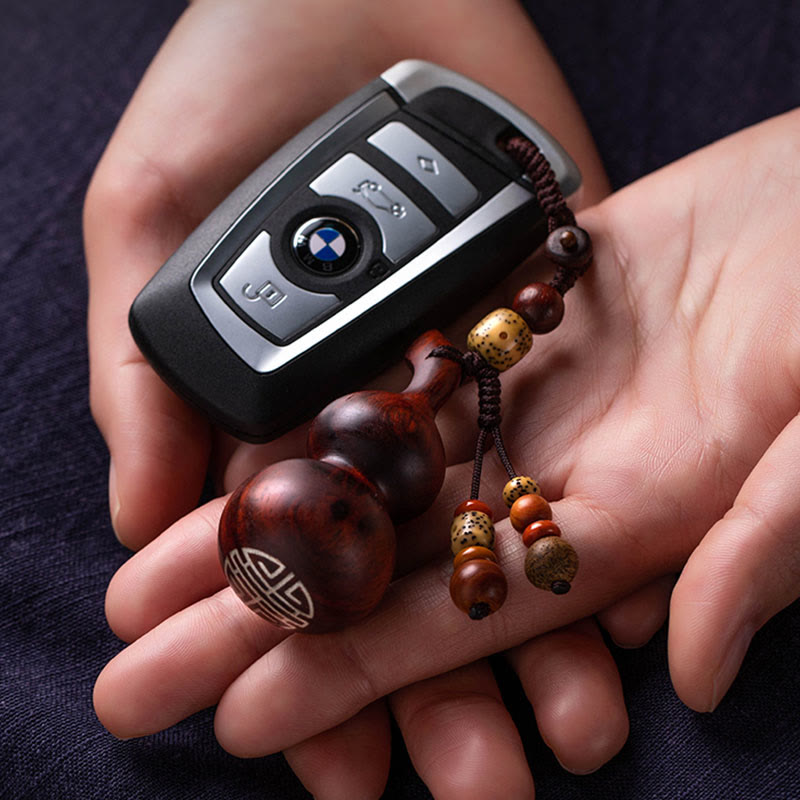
258,288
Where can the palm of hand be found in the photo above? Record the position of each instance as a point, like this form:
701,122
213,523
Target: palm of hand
672,375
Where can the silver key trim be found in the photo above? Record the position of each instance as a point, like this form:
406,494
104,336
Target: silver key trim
264,357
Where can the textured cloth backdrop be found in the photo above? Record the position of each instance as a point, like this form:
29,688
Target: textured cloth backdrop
655,80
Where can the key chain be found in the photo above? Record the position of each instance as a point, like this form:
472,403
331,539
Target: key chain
499,341
309,544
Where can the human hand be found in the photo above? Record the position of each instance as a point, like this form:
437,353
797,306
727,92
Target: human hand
233,81
664,416
157,180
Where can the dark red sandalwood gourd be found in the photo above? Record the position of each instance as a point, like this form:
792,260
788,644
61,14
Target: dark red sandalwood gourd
309,544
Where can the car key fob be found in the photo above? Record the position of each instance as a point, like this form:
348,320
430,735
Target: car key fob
388,215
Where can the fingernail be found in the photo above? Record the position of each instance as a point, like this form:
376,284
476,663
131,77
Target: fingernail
577,771
113,497
729,668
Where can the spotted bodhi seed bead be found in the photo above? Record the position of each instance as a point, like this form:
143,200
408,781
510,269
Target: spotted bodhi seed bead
501,338
529,508
519,486
473,505
551,564
478,587
471,528
539,529
541,306
469,553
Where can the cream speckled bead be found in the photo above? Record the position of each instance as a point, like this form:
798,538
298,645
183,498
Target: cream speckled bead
519,486
502,338
471,528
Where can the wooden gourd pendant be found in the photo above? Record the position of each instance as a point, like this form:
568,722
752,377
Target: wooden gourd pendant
309,543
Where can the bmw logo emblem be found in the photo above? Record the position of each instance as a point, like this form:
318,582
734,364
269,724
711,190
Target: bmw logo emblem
327,245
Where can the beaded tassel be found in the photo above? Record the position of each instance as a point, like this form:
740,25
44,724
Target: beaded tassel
499,341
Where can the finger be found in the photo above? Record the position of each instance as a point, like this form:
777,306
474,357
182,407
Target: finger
575,690
308,684
158,445
181,667
348,761
460,737
635,619
174,571
182,565
745,570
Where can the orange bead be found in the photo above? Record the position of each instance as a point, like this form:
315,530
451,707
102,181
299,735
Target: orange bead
478,588
473,505
542,527
529,508
469,553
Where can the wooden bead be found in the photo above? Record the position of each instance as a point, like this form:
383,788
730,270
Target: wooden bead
519,486
307,545
569,246
473,505
471,528
551,564
537,530
469,553
478,587
529,508
502,338
541,306
391,438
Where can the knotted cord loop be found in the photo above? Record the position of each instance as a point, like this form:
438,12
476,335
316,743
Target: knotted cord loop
473,367
545,185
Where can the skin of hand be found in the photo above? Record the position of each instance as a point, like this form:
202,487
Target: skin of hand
666,421
196,126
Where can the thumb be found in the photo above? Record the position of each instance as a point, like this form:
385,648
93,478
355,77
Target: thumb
746,569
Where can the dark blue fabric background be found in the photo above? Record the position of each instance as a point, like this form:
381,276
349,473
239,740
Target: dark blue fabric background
655,79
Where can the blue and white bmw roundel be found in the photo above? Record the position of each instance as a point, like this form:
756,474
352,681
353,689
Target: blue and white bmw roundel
327,244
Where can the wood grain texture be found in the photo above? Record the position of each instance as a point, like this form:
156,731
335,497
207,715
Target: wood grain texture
328,528
391,438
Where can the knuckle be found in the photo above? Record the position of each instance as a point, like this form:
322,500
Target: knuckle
124,189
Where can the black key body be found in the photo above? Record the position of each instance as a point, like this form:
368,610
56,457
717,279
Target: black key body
388,215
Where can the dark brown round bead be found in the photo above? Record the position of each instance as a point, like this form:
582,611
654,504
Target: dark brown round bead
470,553
551,561
473,505
307,545
541,306
478,587
569,246
527,509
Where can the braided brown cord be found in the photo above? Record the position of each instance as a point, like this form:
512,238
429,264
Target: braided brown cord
551,199
489,416
545,185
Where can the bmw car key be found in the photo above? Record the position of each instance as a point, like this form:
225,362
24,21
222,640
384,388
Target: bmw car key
388,215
